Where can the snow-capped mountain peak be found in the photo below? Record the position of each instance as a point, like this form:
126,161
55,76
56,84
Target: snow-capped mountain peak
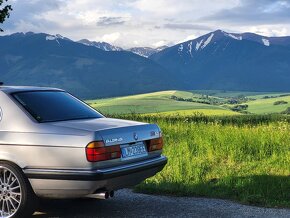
141,51
207,41
221,39
199,44
146,51
55,38
101,45
236,36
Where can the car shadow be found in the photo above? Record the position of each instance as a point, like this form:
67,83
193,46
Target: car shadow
251,190
77,208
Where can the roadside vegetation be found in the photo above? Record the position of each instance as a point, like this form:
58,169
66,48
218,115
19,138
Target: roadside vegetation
231,145
244,158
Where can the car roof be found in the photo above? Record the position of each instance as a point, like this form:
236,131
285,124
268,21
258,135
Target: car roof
11,89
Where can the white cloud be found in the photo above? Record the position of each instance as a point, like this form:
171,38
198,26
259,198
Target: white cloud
160,43
190,37
184,8
128,23
23,26
111,38
270,30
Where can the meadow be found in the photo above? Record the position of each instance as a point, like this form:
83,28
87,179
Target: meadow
245,158
208,102
152,103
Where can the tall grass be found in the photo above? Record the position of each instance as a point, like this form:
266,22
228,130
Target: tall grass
244,158
237,120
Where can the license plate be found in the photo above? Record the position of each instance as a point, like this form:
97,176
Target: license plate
134,151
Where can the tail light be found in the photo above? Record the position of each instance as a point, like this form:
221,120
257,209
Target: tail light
97,151
155,144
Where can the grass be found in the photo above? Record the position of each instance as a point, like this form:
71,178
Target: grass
186,113
264,106
244,158
158,102
233,94
213,151
150,103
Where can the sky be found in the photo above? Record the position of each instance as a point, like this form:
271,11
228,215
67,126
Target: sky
152,23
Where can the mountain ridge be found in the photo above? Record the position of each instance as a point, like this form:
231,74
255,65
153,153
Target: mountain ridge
217,60
89,72
221,60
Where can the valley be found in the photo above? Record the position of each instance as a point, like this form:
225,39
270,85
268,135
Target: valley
207,102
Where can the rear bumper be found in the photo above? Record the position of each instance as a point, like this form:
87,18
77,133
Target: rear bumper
76,183
95,175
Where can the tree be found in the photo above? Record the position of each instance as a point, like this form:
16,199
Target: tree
4,12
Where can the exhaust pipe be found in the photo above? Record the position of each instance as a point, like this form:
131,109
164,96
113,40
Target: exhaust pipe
112,193
100,195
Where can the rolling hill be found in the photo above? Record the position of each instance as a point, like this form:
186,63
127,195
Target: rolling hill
176,102
154,103
268,105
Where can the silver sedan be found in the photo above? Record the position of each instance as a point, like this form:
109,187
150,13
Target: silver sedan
53,145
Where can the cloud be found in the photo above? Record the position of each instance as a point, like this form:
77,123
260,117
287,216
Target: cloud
259,12
128,23
190,37
111,38
187,26
160,43
270,30
105,21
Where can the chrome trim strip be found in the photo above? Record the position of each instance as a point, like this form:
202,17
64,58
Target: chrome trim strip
99,174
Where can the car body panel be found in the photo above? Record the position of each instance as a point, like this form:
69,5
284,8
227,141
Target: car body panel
43,150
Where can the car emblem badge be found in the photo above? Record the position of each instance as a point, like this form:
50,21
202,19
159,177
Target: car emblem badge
135,136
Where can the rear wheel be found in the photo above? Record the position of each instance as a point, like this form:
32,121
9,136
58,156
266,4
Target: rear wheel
17,198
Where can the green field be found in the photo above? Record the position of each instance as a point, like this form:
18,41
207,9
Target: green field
150,103
208,102
226,94
264,106
245,158
184,113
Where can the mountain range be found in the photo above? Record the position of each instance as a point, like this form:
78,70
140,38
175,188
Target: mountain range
142,51
87,71
147,51
101,45
217,60
227,61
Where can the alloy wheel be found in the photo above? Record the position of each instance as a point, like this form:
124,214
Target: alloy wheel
10,193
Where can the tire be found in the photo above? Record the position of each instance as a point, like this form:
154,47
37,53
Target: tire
17,198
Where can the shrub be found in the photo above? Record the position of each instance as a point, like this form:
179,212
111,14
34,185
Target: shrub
240,107
280,102
287,111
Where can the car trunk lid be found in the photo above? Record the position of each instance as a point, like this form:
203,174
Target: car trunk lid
114,131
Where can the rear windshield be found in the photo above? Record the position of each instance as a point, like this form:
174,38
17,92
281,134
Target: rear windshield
51,106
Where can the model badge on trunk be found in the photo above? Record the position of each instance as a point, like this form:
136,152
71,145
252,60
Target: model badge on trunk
114,140
135,136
